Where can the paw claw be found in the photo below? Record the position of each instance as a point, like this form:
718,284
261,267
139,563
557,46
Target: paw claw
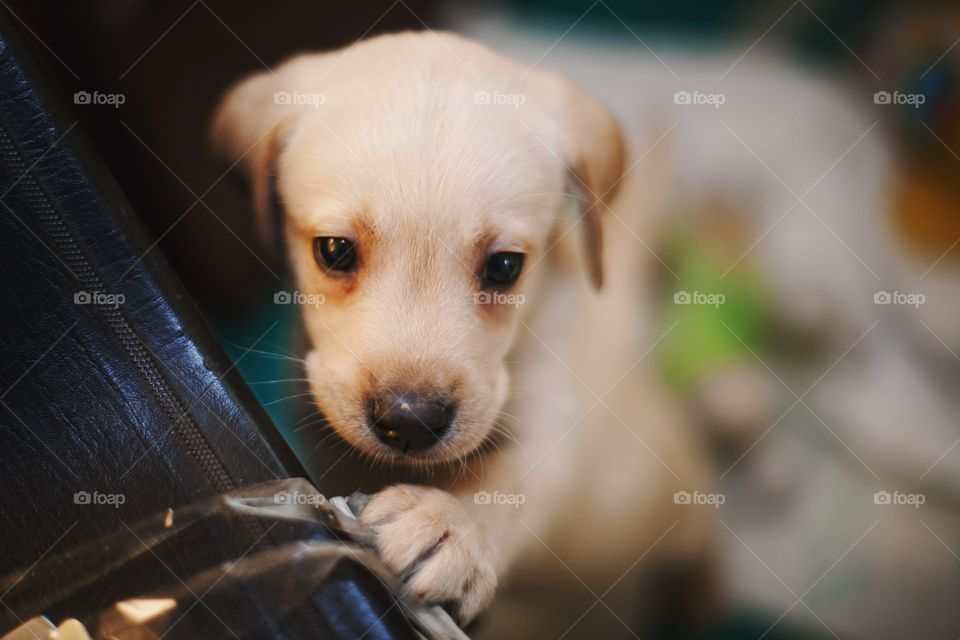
425,536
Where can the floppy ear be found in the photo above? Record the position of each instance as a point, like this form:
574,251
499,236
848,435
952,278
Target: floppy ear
246,133
249,130
595,157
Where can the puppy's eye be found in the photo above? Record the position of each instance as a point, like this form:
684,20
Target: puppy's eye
502,269
336,254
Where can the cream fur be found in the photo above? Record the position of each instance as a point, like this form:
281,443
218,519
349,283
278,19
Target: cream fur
399,152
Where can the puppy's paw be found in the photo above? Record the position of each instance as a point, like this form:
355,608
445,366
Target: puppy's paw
427,538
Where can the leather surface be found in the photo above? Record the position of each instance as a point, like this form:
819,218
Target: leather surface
110,385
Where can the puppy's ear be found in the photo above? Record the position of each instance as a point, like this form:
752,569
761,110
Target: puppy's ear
599,145
595,157
249,130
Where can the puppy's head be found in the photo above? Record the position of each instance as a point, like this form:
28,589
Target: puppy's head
421,180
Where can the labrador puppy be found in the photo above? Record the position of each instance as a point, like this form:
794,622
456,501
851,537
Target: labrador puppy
483,311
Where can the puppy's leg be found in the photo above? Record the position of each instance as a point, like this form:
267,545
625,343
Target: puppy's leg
436,547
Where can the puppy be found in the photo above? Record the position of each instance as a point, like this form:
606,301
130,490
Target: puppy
442,199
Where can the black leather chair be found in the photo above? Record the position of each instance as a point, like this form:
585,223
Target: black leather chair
110,384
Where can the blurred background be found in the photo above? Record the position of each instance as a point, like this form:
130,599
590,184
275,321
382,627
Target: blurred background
807,249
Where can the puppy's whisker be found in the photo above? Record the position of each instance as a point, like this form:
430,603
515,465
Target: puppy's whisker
262,352
330,437
292,397
501,430
509,421
309,416
313,414
310,419
278,356
516,441
318,423
496,445
462,472
278,381
315,423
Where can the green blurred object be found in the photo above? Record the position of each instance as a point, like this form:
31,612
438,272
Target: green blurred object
719,314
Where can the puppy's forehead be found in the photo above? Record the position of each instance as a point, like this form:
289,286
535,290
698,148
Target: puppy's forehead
432,132
411,158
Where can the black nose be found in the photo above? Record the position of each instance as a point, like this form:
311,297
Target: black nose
408,421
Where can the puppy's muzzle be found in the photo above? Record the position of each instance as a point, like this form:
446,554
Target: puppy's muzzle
409,421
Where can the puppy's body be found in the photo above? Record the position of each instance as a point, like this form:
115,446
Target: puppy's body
407,154
598,450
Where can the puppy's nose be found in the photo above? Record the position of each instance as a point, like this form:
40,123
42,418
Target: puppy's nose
408,421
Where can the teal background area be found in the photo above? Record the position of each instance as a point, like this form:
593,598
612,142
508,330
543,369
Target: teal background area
266,361
704,20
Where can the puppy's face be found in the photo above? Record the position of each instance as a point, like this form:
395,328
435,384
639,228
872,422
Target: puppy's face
421,179
424,253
